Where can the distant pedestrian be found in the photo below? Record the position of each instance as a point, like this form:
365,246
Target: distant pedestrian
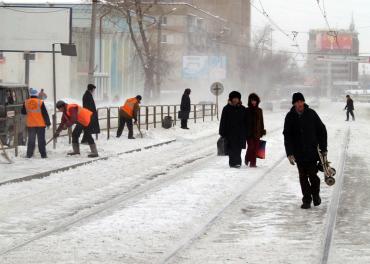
303,133
350,108
255,129
37,119
9,100
127,113
185,108
81,117
42,95
233,128
89,103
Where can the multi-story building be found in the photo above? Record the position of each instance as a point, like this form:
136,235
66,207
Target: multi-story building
204,41
333,77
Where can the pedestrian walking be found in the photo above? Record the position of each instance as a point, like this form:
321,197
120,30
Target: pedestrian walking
36,121
233,128
255,129
81,117
350,108
185,108
303,133
127,113
89,103
43,95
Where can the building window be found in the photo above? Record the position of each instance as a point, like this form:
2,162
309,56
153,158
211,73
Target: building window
164,21
164,38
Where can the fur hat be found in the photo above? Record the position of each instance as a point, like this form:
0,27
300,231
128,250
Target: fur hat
235,94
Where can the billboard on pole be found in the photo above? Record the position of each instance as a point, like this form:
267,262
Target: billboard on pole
25,28
330,41
204,68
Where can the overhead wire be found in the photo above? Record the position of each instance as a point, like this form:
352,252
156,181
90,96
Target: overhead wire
293,38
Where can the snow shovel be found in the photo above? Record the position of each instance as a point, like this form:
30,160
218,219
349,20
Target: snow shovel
4,154
138,128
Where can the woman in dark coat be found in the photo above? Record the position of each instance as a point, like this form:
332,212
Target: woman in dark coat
185,108
255,129
233,128
89,103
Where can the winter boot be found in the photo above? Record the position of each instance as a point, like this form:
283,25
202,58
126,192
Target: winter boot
94,151
316,199
76,149
306,206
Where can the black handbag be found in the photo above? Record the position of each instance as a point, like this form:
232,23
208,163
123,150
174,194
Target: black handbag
222,147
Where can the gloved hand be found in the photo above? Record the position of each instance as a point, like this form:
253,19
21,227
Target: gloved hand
291,159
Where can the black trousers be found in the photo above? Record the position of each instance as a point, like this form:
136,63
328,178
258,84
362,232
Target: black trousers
310,182
121,126
32,133
76,133
184,123
352,114
235,152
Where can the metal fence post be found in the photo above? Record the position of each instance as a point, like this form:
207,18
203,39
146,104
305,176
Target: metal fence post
147,118
155,116
211,112
15,142
161,112
195,113
175,115
203,111
168,110
108,123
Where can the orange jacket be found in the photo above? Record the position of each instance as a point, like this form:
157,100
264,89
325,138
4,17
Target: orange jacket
34,113
130,107
83,114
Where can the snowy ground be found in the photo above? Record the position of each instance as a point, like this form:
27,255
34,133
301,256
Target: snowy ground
180,203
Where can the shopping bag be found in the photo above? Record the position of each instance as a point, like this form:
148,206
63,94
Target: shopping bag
261,152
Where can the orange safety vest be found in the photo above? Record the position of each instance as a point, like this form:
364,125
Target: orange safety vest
83,114
129,106
34,114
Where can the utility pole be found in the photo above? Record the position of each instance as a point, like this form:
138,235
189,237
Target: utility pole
92,42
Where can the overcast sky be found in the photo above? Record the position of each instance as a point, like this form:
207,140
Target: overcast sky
301,16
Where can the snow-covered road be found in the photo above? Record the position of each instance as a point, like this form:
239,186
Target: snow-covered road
180,203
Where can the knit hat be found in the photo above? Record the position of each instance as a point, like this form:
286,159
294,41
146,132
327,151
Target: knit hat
235,94
33,92
60,104
298,97
138,97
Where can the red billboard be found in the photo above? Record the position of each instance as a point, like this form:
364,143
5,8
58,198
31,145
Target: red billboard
328,41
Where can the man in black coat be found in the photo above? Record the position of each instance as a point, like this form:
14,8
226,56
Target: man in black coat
233,128
185,108
349,107
303,133
89,103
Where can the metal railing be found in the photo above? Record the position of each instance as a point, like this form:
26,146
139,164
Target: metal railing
148,116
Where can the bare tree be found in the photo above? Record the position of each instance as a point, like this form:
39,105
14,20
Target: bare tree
140,22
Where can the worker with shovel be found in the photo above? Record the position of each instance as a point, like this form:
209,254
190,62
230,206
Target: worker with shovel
127,113
81,117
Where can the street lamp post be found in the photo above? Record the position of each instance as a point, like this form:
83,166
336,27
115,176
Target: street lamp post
67,49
